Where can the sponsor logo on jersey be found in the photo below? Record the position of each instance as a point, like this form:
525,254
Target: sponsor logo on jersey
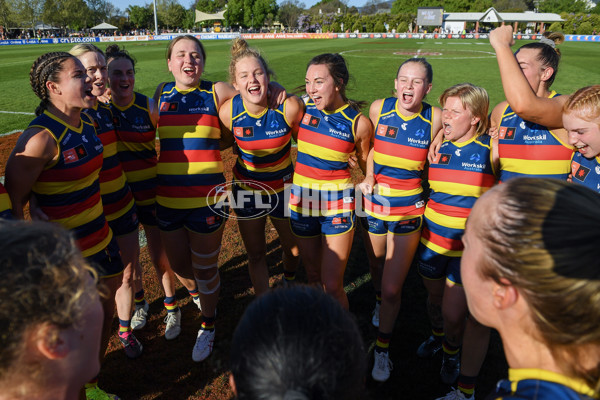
75,154
258,122
597,169
579,171
507,133
311,121
387,131
403,126
475,157
420,133
170,107
522,125
246,131
442,159
457,152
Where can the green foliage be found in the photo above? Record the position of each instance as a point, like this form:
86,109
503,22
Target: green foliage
510,5
357,26
379,27
560,6
585,28
368,23
289,11
555,27
170,13
335,27
140,17
402,27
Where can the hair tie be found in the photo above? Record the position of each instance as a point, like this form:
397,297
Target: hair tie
292,394
547,41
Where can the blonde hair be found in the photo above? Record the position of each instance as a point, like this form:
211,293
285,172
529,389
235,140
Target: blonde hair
241,49
44,281
585,102
544,239
473,98
82,48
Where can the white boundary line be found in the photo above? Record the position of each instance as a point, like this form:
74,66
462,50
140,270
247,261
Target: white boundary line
11,132
17,112
485,54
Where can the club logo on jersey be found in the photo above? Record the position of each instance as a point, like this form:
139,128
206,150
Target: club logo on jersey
579,171
339,220
75,154
442,159
387,131
170,107
246,131
311,121
507,133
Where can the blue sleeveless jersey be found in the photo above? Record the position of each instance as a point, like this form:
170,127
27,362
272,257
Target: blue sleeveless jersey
529,149
459,175
586,171
190,168
264,143
539,384
400,152
68,189
325,142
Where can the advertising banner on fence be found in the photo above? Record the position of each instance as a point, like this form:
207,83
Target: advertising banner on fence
232,35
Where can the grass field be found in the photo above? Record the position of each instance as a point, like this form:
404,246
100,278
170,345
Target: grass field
165,370
372,63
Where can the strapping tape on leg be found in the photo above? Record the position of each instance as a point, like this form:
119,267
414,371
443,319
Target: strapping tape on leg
203,284
201,255
200,266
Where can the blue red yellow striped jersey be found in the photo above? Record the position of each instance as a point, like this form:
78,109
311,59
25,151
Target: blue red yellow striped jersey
400,152
459,175
529,149
541,385
5,204
264,143
116,195
586,171
190,167
68,190
136,147
325,142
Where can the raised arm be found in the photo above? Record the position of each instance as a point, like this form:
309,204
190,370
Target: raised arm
522,98
33,151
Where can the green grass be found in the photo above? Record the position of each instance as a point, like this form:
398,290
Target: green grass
372,63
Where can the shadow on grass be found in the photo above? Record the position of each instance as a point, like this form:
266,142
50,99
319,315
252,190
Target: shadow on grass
166,370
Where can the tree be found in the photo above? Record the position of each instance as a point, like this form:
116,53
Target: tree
264,11
289,11
7,15
189,22
510,5
29,11
98,10
560,6
174,14
51,13
235,13
407,6
140,17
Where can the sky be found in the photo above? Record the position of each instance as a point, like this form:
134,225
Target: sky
123,4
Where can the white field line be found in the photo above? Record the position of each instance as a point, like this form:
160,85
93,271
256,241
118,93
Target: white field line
11,132
16,112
